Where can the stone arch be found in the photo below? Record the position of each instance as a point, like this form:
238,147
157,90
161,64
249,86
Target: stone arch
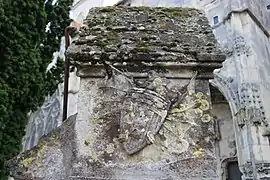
224,118
249,121
224,166
228,89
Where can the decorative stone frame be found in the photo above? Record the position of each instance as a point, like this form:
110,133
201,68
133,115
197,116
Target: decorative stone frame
224,166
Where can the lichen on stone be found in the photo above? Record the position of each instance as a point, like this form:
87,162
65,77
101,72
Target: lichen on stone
27,162
146,34
30,161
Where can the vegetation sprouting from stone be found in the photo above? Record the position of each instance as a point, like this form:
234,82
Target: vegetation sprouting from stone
25,52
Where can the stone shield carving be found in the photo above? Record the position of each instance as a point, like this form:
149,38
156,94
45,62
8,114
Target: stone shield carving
142,117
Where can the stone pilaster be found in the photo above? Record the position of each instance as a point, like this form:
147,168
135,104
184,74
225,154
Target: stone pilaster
241,82
251,127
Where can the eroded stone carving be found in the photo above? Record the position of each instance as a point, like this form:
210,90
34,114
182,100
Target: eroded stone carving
152,111
236,45
263,170
245,99
251,106
180,141
143,115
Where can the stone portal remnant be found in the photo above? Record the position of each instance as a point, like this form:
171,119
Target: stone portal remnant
144,101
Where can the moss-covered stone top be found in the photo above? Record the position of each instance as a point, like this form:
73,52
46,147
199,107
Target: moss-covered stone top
128,34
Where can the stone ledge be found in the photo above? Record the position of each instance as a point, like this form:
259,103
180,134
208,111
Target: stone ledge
169,70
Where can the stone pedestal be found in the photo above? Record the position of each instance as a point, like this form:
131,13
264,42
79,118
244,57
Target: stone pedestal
144,100
145,94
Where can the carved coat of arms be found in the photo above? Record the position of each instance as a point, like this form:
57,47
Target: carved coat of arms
143,116
145,109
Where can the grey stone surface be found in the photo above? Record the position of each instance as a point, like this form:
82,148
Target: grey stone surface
243,81
221,8
50,159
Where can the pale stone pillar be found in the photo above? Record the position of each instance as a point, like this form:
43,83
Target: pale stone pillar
132,74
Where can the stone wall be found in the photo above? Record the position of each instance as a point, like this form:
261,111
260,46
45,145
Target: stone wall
243,80
219,8
80,8
164,3
49,116
225,137
128,122
124,131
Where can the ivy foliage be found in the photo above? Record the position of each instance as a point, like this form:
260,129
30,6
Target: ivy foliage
26,49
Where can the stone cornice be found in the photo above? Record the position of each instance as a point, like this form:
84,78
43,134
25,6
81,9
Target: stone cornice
253,17
170,70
